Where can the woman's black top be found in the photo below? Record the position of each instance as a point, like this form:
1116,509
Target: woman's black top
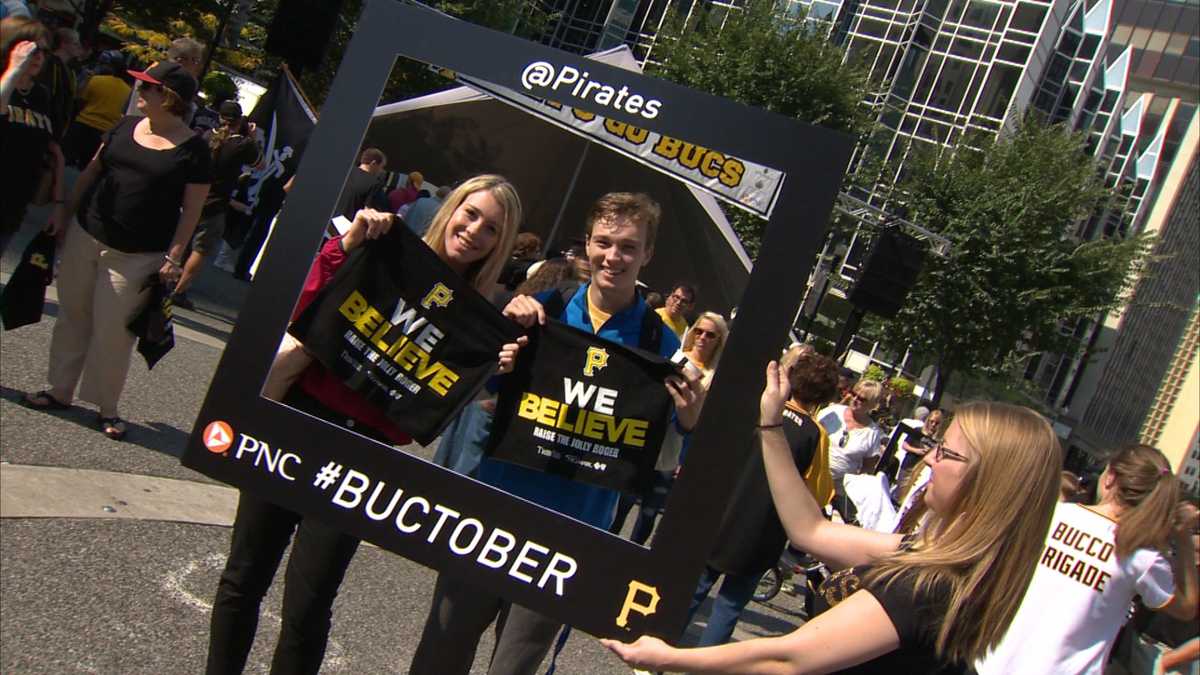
134,204
917,618
25,134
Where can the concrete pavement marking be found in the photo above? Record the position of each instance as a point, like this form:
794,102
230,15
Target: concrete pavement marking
55,492
176,582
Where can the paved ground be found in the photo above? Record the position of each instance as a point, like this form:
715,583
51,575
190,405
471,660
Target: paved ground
110,552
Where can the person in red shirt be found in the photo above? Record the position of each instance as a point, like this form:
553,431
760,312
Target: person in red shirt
473,233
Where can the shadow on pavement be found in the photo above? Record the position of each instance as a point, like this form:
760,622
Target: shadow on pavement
159,437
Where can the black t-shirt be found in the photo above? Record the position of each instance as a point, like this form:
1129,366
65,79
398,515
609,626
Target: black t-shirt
362,189
916,618
134,204
752,537
915,439
230,156
25,133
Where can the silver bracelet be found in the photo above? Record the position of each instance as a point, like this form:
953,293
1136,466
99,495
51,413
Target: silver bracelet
171,260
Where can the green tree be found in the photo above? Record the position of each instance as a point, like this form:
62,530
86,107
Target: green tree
1014,271
764,58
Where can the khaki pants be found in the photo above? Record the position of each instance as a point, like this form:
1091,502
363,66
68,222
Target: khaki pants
100,289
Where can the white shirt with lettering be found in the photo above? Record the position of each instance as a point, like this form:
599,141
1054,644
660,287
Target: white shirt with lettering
1078,599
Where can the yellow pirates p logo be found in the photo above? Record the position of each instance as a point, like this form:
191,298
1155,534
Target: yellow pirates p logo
597,358
631,602
39,261
439,295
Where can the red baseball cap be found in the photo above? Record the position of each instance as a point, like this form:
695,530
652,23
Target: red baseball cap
170,75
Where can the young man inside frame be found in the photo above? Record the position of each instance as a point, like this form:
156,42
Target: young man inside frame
621,232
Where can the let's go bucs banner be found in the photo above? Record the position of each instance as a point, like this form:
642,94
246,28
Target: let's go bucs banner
583,408
752,186
401,328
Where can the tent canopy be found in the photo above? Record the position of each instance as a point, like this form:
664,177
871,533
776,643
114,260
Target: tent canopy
454,134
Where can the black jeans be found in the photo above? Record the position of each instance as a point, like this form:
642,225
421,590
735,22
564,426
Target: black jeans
459,614
320,556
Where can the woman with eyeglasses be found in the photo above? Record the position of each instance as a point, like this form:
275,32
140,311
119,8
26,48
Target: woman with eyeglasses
1096,559
136,203
932,602
853,438
27,132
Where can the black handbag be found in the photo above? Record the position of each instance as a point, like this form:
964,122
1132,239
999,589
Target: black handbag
24,297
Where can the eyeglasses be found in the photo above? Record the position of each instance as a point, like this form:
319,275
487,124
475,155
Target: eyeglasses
941,452
681,299
700,332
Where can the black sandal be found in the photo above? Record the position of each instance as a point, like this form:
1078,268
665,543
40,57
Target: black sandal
43,400
113,427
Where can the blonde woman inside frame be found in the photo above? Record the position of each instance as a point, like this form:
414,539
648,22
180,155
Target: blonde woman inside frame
703,344
472,233
929,603
291,360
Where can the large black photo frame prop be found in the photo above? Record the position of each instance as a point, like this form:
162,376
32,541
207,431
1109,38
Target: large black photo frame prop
617,588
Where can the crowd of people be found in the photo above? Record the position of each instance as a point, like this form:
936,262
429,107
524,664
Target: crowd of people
992,563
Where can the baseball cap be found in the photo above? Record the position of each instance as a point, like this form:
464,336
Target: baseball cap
111,57
171,75
230,110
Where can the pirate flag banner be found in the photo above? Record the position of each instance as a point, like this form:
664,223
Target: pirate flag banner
399,327
584,408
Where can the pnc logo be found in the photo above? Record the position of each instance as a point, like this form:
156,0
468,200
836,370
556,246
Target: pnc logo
218,436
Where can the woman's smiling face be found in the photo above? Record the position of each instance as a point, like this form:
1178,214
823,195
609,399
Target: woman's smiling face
473,230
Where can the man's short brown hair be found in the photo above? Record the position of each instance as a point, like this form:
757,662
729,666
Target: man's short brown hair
636,206
373,156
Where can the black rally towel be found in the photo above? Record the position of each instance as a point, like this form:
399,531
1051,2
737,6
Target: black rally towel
154,325
584,408
398,326
24,295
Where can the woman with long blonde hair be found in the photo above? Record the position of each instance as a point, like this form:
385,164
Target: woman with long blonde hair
472,233
1096,558
704,342
928,603
481,271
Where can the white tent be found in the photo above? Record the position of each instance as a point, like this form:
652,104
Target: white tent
460,132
